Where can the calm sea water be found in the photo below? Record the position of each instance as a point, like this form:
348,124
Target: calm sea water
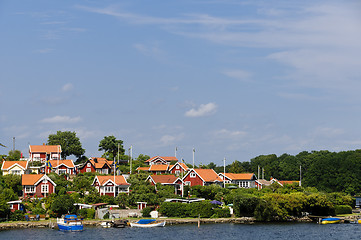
309,231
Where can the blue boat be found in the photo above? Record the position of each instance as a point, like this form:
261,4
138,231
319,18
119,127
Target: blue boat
70,223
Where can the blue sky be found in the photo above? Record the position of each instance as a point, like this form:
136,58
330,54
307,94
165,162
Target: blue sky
233,79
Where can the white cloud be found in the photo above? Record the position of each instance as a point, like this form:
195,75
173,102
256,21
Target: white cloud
238,74
228,134
203,110
167,140
67,87
61,119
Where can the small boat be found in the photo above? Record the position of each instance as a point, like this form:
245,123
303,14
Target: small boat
330,220
70,223
106,224
146,223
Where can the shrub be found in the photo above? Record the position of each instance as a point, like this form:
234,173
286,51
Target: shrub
17,215
146,211
245,205
221,212
343,209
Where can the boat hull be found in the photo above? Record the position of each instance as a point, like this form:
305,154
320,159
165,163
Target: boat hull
330,220
70,228
148,225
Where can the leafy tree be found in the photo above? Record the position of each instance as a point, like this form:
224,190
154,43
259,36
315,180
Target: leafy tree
13,182
236,167
70,143
142,157
63,204
109,144
14,155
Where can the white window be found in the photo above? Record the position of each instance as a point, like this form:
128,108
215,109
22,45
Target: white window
29,189
89,164
44,188
187,183
177,167
108,189
105,171
192,175
16,172
177,172
62,171
88,170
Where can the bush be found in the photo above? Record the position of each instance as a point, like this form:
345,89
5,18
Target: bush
202,209
343,209
17,215
221,213
146,211
245,205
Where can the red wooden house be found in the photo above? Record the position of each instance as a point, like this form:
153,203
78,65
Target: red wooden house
178,169
99,165
16,205
43,152
166,180
111,185
202,177
37,185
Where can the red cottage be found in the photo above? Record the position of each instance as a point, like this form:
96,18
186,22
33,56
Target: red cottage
43,152
99,165
16,205
178,169
202,177
111,185
166,180
37,185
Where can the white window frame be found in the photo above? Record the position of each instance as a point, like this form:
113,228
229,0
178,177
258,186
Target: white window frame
187,183
29,189
44,188
192,175
177,172
88,170
177,167
62,171
15,172
89,164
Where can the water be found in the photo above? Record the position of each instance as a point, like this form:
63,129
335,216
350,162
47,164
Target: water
294,231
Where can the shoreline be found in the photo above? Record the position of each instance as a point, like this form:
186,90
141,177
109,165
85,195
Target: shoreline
169,221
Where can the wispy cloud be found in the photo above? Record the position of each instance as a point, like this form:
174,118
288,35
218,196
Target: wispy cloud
168,140
238,74
203,110
149,50
61,119
67,87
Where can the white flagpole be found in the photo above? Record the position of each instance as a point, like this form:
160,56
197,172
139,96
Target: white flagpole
175,152
193,156
300,176
224,173
131,155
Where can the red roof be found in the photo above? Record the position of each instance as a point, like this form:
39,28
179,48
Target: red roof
99,163
67,163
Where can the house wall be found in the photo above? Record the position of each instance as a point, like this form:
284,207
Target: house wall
194,181
84,169
14,168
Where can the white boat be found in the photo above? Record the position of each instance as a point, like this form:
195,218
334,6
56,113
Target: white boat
106,224
146,223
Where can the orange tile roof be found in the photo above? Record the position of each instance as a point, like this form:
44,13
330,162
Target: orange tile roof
100,162
183,165
68,163
45,148
208,175
161,167
168,159
143,168
30,179
119,180
164,178
8,164
240,176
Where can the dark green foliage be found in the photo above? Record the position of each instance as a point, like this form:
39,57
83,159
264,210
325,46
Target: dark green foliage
146,211
343,209
69,142
317,204
203,209
245,205
63,204
14,155
221,213
110,145
17,215
88,213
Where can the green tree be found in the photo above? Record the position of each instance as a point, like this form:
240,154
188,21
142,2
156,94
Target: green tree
69,142
109,144
14,155
63,204
236,167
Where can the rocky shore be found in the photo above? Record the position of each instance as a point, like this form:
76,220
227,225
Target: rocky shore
170,221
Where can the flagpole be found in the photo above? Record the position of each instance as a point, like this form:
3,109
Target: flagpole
175,152
224,173
300,175
193,157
